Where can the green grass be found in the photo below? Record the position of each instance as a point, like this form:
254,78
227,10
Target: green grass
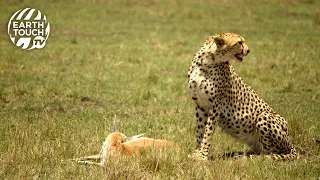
131,58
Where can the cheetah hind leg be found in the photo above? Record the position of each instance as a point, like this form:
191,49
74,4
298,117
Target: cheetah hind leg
274,138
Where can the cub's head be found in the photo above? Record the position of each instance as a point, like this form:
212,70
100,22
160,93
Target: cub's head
229,46
117,138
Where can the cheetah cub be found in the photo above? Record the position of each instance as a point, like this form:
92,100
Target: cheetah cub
223,98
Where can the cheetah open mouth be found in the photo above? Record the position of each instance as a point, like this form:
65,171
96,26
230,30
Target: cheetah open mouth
239,56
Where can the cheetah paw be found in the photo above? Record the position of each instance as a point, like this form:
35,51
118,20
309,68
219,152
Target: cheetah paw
197,155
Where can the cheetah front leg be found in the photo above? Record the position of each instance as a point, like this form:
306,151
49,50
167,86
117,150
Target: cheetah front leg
206,133
201,117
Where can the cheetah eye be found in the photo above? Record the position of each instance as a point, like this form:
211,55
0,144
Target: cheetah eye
239,42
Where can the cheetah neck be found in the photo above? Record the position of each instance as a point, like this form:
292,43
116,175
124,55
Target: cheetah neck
208,57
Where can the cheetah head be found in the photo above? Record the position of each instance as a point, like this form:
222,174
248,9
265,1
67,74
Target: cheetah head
230,46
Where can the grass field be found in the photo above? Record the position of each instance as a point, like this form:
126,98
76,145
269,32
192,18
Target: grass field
130,58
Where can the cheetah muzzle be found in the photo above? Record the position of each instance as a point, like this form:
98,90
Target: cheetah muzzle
223,98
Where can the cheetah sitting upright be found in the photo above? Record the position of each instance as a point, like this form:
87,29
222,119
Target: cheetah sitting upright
223,98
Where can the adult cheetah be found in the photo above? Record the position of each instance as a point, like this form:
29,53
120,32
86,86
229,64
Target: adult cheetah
223,98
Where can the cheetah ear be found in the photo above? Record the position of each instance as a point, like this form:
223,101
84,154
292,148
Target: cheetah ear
219,41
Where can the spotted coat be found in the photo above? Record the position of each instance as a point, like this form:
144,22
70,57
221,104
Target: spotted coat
223,98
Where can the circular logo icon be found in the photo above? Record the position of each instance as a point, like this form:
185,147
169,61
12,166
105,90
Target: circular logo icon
28,29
